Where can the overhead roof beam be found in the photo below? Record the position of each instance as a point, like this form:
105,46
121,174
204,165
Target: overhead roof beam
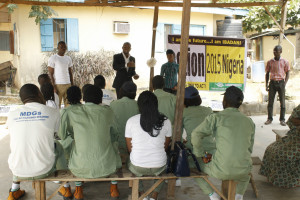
141,3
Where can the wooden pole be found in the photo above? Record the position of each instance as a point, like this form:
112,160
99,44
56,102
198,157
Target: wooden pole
155,19
185,28
283,20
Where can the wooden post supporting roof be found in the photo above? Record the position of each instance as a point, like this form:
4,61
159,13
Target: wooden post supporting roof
283,20
185,26
155,19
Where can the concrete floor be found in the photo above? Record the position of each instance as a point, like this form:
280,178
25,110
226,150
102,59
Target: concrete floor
188,191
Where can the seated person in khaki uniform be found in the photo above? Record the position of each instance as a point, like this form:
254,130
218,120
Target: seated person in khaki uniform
93,155
233,134
166,101
31,128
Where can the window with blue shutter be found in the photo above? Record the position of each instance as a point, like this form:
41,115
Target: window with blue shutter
56,30
198,30
72,35
47,35
4,41
176,29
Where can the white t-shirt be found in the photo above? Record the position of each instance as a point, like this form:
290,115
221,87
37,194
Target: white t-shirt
147,151
61,65
108,97
56,99
31,128
52,104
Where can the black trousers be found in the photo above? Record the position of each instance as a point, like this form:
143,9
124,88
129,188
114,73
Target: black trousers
276,86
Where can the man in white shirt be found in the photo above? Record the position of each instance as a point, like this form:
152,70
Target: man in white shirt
34,153
59,68
108,96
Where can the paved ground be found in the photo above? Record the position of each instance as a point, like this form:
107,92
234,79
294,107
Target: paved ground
188,191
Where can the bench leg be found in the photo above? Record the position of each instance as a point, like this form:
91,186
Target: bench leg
171,189
130,183
135,190
215,189
228,189
157,183
40,190
253,185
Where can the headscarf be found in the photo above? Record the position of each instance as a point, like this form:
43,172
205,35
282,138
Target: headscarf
295,114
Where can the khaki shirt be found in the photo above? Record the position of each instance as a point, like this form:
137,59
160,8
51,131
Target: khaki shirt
166,103
92,153
193,116
123,109
234,138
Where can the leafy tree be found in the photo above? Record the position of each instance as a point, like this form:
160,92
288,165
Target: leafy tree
258,19
37,12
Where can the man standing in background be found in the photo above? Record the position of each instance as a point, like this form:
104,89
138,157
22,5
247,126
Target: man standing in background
59,68
124,64
169,71
278,71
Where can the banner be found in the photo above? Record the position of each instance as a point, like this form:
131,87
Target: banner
214,63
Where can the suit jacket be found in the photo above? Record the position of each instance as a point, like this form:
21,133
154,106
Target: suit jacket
122,75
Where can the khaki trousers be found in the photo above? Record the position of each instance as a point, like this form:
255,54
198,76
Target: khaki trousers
62,93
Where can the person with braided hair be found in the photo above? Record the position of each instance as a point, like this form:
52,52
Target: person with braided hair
147,137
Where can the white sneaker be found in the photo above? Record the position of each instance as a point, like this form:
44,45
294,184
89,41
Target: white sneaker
152,199
238,197
214,196
146,198
178,183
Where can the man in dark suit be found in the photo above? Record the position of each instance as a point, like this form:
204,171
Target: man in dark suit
124,64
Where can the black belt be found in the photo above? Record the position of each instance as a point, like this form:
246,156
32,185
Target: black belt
277,81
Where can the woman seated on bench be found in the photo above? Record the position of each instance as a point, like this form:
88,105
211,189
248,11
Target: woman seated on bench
281,162
147,136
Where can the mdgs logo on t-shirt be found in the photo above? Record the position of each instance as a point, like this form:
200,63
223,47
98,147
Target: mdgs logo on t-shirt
31,116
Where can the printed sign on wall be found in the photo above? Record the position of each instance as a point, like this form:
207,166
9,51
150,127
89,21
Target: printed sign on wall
214,63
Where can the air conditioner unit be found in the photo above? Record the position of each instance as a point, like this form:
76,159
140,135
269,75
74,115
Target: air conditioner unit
121,27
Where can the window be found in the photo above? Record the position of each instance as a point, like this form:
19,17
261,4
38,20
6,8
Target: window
59,31
55,30
4,41
163,30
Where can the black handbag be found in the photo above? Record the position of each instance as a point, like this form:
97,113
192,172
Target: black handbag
178,162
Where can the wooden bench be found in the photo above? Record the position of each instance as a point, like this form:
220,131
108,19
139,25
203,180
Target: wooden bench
122,175
228,186
280,133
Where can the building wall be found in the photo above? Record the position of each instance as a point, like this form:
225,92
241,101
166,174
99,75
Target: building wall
5,55
287,49
95,26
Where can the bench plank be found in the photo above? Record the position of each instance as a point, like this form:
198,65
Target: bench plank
66,175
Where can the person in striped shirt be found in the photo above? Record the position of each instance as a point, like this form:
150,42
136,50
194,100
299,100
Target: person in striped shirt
277,71
169,71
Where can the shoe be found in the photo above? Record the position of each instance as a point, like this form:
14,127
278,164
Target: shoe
146,198
282,123
268,122
214,196
78,194
66,193
16,194
114,192
178,183
238,197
